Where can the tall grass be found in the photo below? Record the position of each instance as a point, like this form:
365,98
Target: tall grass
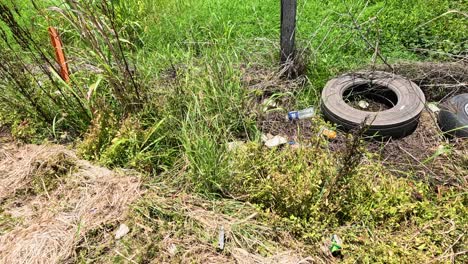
103,78
180,61
31,86
157,86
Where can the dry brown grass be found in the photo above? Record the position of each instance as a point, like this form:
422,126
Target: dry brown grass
51,224
20,166
179,227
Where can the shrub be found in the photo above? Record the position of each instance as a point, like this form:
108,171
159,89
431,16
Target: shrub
292,182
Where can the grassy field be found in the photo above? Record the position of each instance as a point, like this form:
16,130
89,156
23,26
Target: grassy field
161,86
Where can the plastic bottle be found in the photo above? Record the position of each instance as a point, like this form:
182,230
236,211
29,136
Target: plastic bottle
302,114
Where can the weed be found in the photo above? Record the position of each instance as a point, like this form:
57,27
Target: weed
162,86
99,136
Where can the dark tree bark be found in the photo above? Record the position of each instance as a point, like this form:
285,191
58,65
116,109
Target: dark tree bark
288,29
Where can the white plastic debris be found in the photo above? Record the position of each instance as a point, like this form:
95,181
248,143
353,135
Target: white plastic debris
122,231
363,104
266,137
433,107
172,249
301,114
221,238
276,141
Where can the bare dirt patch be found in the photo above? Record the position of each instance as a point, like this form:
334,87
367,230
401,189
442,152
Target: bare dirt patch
271,97
426,154
49,222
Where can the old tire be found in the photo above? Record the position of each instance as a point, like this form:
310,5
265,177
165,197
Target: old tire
453,116
398,121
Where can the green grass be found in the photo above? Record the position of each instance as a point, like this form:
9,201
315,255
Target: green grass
190,59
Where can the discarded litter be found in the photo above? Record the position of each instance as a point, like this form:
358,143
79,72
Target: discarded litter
266,137
330,134
294,144
269,103
397,122
453,116
302,114
172,249
336,245
221,238
275,141
363,104
122,231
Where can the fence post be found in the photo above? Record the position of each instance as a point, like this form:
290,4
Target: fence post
59,53
288,29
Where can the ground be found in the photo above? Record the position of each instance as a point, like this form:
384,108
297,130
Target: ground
57,208
50,200
160,131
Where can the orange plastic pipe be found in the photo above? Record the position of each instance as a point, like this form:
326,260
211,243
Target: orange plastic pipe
60,55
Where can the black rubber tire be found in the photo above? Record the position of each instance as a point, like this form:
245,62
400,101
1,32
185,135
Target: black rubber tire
398,121
453,116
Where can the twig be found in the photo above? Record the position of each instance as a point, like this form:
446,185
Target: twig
246,219
122,255
445,85
450,247
444,14
376,49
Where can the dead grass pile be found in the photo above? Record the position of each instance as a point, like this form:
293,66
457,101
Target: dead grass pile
243,257
31,165
243,233
51,224
178,227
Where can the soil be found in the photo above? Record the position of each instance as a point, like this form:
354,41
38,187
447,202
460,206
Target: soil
416,155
